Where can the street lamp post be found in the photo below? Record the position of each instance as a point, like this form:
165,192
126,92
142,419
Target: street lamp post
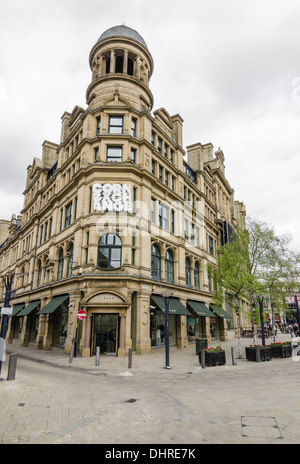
166,294
8,279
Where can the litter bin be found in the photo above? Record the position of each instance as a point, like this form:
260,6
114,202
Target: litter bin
201,344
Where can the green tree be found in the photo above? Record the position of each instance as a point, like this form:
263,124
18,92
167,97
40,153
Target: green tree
250,266
273,266
231,274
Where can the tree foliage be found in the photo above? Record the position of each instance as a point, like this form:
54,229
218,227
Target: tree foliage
254,263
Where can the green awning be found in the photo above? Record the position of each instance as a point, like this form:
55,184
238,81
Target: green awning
54,304
175,307
220,311
16,309
33,305
199,308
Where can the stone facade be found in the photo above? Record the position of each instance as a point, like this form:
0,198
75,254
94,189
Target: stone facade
110,263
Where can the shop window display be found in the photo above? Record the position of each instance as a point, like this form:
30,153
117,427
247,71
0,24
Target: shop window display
157,328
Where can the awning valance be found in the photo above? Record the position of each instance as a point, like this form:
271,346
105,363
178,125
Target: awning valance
220,311
199,308
28,309
53,304
175,306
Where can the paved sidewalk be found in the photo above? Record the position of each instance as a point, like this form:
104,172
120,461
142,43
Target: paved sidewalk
181,360
53,401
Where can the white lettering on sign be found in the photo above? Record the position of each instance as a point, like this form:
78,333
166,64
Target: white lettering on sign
112,197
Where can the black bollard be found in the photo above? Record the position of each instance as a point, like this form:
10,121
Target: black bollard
257,353
71,354
202,358
97,355
233,356
129,358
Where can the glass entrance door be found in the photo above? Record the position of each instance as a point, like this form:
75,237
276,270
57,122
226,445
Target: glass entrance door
105,332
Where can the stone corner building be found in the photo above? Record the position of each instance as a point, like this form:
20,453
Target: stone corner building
113,215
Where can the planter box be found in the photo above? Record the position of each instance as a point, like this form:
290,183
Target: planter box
214,358
281,351
265,354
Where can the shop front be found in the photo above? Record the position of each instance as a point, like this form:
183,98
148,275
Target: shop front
217,323
27,326
197,322
15,324
54,316
105,325
105,335
157,320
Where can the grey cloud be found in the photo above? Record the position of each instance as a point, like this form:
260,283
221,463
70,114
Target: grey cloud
226,67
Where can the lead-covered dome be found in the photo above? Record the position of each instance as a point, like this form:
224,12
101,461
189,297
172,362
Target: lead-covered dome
122,66
123,31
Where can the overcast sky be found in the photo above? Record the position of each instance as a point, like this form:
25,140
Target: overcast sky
230,68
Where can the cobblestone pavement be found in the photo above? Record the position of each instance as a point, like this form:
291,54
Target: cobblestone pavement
56,402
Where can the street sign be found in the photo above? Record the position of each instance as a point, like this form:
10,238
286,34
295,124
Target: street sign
81,315
7,311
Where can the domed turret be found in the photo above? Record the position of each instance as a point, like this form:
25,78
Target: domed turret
121,56
123,31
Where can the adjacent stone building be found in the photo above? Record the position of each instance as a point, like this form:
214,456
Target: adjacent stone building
114,214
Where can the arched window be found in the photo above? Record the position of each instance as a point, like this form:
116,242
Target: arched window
70,260
60,265
107,65
155,262
197,276
187,272
130,67
109,251
119,64
169,266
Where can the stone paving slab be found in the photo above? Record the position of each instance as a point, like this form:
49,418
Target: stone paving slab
54,402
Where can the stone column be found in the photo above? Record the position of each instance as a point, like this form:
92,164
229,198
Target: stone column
182,338
143,341
47,339
137,73
135,67
125,61
101,70
41,333
72,322
112,61
25,332
42,326
223,328
206,329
